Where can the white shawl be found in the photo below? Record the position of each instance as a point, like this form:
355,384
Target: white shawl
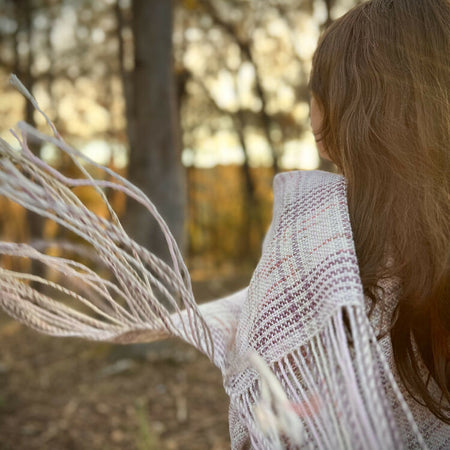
299,356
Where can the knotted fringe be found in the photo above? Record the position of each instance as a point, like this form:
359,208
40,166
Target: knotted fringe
143,300
328,394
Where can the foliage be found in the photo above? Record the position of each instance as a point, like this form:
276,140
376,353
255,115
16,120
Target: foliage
241,71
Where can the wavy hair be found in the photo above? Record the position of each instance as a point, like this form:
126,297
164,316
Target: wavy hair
381,78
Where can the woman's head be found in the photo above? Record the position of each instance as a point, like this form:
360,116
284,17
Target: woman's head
381,76
381,85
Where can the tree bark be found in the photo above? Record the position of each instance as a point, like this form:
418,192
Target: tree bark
155,155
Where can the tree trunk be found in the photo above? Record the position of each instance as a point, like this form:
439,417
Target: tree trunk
328,5
253,223
155,154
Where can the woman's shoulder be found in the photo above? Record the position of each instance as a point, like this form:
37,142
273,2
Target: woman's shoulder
301,195
305,191
312,179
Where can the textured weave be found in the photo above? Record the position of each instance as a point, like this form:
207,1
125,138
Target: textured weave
297,376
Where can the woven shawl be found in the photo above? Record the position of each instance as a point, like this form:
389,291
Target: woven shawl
300,359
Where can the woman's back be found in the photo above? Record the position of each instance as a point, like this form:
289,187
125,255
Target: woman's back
436,433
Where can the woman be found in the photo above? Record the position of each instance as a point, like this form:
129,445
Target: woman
342,337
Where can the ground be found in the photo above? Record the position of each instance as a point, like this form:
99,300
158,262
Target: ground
72,394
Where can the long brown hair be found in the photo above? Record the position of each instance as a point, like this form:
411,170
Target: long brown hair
381,77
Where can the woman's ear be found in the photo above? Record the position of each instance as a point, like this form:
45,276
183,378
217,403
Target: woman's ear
316,125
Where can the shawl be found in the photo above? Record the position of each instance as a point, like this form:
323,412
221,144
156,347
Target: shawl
300,358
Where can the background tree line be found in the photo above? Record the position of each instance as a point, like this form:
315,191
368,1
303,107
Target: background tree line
157,84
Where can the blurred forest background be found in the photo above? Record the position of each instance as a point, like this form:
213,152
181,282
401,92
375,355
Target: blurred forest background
198,102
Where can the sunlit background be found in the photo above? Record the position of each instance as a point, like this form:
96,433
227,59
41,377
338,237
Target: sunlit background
241,70
75,76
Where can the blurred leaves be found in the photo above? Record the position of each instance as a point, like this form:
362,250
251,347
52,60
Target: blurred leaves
241,70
